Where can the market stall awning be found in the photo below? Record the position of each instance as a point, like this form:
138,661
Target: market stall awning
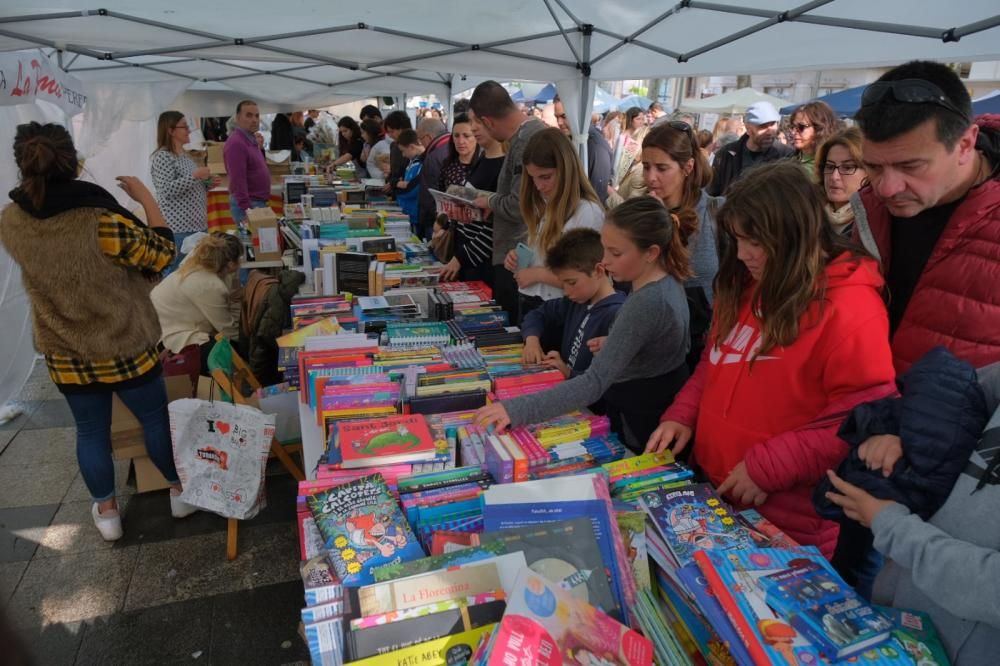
734,101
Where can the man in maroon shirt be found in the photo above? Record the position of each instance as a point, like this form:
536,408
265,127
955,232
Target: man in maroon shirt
249,179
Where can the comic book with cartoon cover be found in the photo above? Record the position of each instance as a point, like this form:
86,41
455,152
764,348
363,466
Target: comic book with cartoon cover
362,528
694,518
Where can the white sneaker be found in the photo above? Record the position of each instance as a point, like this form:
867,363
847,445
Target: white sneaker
179,508
108,524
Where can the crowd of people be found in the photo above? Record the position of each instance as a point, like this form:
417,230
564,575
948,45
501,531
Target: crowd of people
748,298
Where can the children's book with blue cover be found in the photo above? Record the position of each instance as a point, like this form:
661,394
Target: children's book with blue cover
694,518
734,578
822,607
362,528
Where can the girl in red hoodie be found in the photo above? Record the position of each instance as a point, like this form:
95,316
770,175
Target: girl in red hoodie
799,337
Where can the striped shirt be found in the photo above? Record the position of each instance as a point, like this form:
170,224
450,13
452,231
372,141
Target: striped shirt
474,245
126,244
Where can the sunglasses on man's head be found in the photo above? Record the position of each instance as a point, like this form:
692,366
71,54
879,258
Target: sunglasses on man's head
909,91
679,125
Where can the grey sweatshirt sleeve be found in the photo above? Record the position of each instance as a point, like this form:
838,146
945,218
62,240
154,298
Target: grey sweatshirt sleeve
962,578
640,320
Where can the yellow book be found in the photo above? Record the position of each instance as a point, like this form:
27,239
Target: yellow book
455,649
638,463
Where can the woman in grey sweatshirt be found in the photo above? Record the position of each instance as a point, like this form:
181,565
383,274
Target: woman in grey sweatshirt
949,565
640,366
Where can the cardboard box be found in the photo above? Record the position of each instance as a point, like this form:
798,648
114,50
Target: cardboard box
216,162
266,234
126,433
147,477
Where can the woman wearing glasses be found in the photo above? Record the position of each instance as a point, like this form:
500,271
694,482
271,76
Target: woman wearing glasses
181,185
676,171
811,125
627,177
841,173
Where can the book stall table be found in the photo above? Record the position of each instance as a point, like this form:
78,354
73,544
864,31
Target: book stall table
426,539
220,216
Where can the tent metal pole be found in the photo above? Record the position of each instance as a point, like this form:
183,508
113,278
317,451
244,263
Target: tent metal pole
51,44
562,32
418,56
729,39
631,38
586,99
657,49
166,26
524,56
167,50
799,15
309,56
572,17
253,71
519,40
46,17
400,33
300,33
163,71
124,63
71,61
978,26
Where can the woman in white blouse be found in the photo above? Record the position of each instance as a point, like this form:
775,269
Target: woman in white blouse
181,185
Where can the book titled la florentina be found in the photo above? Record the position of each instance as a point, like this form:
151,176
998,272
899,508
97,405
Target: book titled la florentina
362,528
385,441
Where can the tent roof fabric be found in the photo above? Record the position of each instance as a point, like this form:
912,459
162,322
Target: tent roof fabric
318,47
845,103
734,101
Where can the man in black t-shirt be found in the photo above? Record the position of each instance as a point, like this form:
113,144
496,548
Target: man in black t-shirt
757,146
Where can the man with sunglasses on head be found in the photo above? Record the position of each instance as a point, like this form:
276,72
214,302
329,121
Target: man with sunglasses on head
931,212
757,146
599,154
502,119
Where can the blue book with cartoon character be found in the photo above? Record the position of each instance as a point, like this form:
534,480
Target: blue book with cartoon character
363,528
694,518
832,616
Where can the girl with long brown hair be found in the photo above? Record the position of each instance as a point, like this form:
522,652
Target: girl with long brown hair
641,365
556,196
811,124
676,172
181,185
798,339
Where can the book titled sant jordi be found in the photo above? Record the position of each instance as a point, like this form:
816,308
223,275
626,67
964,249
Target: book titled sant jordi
385,441
362,528
546,625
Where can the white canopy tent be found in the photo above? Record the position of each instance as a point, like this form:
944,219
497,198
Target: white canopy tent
135,58
734,101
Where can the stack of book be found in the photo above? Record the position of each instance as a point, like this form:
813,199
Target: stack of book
632,477
422,335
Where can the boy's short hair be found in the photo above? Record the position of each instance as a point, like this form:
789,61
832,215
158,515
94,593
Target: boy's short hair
407,137
578,250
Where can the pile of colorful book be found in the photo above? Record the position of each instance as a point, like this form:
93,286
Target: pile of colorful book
546,570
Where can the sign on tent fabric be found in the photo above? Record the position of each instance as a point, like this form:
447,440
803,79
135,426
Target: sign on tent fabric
26,76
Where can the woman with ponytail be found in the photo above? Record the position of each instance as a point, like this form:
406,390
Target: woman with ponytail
676,172
641,365
201,299
87,264
800,336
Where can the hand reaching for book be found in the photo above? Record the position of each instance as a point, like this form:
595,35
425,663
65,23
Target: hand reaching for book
595,345
554,360
493,417
669,432
533,354
450,270
741,489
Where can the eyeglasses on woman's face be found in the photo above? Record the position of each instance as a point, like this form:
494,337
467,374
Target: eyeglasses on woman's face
845,168
800,127
182,127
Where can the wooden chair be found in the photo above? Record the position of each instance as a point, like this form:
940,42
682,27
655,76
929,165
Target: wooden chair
242,385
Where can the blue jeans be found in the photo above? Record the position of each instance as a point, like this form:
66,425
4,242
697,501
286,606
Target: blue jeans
92,413
239,215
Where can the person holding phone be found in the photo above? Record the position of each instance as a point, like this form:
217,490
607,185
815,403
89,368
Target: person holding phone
555,197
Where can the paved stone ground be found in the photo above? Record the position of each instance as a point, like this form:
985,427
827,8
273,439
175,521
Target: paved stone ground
163,594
